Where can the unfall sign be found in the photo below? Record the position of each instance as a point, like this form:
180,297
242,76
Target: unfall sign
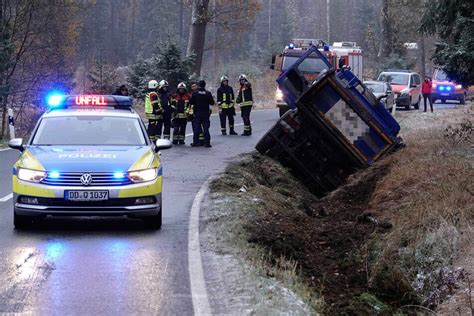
90,100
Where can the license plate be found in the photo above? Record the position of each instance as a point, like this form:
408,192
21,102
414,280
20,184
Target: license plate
87,195
445,94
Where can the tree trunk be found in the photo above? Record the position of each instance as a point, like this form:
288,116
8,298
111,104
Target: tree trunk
386,41
197,34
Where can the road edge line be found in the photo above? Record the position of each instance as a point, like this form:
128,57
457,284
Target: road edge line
5,149
6,197
196,273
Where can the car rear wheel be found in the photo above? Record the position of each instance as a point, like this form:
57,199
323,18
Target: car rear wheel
21,221
153,222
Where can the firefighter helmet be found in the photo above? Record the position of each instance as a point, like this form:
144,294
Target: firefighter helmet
163,83
182,85
224,78
243,77
152,84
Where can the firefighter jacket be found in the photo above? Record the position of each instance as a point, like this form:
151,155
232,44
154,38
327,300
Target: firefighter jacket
180,103
165,102
245,97
201,100
153,110
225,97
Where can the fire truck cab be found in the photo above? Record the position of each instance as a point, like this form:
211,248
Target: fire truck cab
340,55
311,68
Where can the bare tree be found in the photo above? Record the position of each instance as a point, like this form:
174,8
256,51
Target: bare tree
197,34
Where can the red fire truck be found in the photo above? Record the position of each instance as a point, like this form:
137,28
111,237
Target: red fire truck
341,54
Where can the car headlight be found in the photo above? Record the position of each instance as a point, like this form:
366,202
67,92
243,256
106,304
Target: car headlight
459,86
279,94
404,92
143,175
30,175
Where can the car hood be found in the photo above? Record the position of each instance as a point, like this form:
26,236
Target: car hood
443,83
90,159
398,87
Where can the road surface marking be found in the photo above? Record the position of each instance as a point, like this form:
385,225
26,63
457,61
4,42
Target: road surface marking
240,124
5,149
196,274
6,198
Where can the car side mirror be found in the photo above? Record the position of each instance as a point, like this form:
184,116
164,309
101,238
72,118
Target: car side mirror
16,143
380,97
162,144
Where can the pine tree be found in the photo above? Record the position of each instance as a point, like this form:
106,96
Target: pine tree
453,22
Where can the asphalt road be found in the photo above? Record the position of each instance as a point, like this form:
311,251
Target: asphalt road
112,265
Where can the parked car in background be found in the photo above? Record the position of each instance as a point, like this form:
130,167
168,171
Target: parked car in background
382,91
444,89
405,84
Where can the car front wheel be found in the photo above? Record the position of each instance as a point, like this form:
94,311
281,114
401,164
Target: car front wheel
153,222
21,221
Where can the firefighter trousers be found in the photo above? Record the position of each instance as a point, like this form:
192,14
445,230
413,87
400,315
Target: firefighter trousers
245,112
164,126
224,115
179,131
201,125
153,132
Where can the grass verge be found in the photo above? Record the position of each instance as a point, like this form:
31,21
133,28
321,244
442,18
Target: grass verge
383,243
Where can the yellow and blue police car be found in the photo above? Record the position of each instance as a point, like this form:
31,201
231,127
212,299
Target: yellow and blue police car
88,155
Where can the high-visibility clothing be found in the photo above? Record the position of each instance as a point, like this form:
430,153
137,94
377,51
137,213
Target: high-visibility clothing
180,103
245,97
153,110
225,97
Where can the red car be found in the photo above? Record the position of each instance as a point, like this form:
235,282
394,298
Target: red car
444,89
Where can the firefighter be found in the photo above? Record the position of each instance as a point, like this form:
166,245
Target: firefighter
245,101
153,110
164,125
180,102
225,101
201,101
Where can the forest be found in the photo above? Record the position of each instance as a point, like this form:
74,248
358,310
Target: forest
91,46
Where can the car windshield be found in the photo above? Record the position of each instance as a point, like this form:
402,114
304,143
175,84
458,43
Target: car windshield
309,65
89,130
441,76
401,79
376,87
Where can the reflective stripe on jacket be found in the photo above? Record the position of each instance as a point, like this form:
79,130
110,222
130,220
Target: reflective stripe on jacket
245,97
152,106
225,97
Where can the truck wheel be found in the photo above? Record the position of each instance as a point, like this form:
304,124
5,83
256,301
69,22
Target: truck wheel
153,222
21,221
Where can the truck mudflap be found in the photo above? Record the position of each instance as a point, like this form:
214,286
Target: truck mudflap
336,127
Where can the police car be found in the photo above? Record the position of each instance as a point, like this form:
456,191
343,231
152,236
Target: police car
88,155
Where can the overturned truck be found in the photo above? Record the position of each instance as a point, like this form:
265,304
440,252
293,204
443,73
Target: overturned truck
335,127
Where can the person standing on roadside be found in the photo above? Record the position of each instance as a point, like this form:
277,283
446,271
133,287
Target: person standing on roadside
165,123
201,101
180,102
225,101
153,111
426,91
245,101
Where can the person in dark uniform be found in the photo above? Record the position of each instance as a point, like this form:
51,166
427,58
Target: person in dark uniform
122,90
225,101
180,102
201,101
245,101
164,95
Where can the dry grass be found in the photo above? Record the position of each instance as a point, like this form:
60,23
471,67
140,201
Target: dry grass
429,198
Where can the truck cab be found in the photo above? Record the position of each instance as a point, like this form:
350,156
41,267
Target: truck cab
311,66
